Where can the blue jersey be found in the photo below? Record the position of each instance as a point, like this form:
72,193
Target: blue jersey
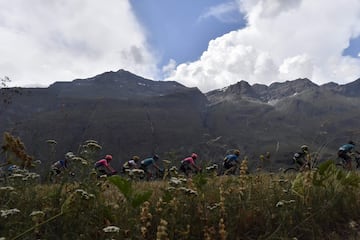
231,158
147,162
347,147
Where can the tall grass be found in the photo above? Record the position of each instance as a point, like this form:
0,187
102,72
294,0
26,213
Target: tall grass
311,205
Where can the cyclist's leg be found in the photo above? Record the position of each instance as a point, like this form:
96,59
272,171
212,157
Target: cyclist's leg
348,160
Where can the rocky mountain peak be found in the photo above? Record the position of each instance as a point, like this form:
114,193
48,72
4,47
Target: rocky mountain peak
120,85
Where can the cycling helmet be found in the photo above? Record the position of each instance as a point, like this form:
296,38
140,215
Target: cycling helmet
304,147
155,157
108,157
135,158
237,152
194,155
351,142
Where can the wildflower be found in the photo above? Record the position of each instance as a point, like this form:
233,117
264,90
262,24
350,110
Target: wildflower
191,192
7,188
173,169
94,145
161,230
51,141
84,194
283,202
222,230
138,171
34,175
243,167
69,155
188,191
145,218
17,175
170,189
6,213
212,167
37,161
90,141
175,181
36,213
216,205
111,229
353,225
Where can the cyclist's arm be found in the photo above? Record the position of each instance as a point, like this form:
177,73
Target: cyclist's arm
110,168
156,166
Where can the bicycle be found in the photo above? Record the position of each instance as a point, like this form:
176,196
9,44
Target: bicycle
343,165
309,165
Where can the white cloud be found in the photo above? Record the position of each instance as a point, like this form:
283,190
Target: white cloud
169,68
60,40
225,12
283,40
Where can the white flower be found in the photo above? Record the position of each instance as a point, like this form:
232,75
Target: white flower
212,167
353,225
6,213
50,141
36,213
175,181
283,202
111,229
84,194
17,175
7,188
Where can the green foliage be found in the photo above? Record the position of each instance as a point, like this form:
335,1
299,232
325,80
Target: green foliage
200,180
319,204
126,188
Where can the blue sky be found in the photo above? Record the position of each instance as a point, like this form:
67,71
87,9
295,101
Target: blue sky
206,44
181,30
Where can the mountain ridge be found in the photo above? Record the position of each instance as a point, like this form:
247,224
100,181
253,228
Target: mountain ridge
130,115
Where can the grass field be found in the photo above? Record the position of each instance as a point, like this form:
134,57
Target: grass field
324,204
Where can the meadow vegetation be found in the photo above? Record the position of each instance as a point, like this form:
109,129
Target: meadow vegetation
321,204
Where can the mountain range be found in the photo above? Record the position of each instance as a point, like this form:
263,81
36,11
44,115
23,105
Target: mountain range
130,115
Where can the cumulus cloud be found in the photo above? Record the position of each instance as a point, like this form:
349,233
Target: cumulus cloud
47,41
283,40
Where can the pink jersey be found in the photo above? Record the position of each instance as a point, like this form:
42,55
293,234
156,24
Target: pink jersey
189,160
102,162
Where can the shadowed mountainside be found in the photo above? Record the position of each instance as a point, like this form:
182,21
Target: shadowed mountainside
129,115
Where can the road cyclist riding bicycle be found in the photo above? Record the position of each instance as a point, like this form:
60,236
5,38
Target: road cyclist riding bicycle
148,165
231,162
188,165
346,153
303,160
103,166
131,164
59,167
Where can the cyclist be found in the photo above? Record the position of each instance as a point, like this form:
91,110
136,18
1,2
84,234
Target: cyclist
12,169
148,163
188,164
61,165
230,162
131,164
301,158
345,152
103,166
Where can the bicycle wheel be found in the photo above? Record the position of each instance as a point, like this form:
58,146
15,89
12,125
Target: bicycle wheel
340,166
